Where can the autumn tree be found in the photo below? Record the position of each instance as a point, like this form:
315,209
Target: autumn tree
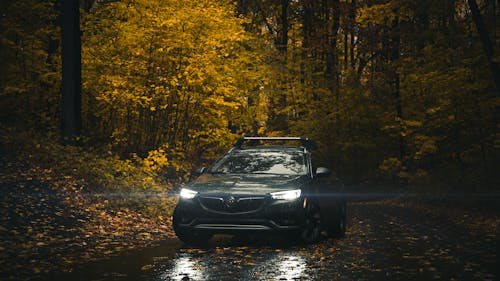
30,71
71,71
389,88
181,76
485,40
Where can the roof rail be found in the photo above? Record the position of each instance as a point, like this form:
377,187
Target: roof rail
306,142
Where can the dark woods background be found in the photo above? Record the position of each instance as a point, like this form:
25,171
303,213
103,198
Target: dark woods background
394,92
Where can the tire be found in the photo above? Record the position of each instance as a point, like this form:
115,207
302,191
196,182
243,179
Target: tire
188,237
338,228
311,228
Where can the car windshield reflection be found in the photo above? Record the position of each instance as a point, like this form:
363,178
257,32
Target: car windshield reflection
262,162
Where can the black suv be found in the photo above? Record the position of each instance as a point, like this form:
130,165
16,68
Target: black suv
258,188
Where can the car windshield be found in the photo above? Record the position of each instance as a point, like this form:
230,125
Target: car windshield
281,162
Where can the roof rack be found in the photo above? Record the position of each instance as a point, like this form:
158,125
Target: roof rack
306,142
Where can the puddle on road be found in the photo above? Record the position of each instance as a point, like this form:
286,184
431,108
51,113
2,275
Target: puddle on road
125,267
225,259
286,267
274,267
183,266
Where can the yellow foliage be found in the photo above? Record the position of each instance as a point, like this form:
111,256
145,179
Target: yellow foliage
380,14
156,160
383,14
165,71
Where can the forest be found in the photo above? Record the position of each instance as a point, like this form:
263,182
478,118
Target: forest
395,92
402,98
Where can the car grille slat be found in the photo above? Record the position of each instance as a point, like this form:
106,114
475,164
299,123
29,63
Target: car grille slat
231,204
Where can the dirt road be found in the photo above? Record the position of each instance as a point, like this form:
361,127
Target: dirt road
386,240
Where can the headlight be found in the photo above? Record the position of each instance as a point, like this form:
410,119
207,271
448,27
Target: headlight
187,193
286,195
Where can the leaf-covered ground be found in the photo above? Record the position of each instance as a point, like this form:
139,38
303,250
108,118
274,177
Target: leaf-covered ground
386,240
48,224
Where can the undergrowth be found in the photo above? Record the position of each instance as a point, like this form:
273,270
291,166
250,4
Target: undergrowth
131,183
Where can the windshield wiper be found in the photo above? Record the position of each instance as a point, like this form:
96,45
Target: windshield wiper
217,173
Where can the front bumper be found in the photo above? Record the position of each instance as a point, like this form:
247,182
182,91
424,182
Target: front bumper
272,216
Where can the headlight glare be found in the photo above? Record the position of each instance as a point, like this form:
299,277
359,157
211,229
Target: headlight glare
187,193
286,195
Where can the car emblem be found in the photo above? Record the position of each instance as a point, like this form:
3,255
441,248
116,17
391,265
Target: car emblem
230,201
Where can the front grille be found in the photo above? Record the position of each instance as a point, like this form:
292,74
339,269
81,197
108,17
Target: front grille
231,204
212,203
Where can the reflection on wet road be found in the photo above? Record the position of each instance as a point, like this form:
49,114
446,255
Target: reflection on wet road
184,265
385,241
234,262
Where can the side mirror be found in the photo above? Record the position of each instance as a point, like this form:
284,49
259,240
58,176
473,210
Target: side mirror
322,172
199,171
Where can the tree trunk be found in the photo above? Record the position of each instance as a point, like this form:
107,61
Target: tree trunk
485,39
242,7
395,55
352,17
283,35
346,49
306,33
332,61
71,71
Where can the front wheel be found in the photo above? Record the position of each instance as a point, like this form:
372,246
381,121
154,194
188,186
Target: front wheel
311,229
338,227
188,237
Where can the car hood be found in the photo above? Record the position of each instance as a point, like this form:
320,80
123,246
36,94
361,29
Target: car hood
246,184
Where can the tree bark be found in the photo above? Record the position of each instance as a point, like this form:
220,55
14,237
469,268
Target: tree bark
283,35
395,56
485,40
346,49
352,16
71,71
332,60
306,33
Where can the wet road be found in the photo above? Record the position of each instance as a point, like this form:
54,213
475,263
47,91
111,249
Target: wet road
385,241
